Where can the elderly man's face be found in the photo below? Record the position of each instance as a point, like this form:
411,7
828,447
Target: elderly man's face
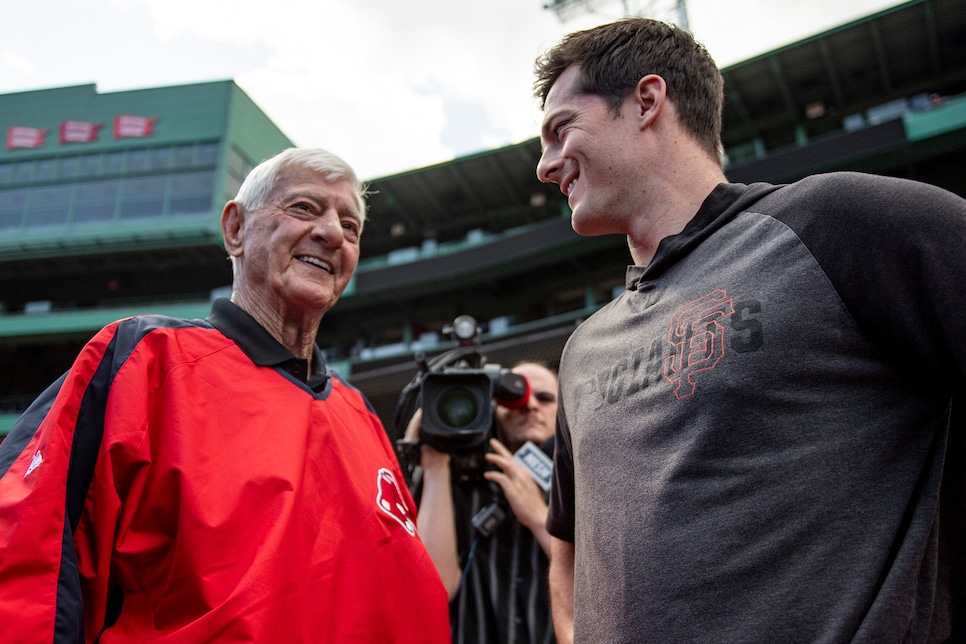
302,246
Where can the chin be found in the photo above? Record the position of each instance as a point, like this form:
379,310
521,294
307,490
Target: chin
536,439
313,301
585,225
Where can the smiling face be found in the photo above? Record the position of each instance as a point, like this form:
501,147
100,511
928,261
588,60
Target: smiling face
295,255
591,153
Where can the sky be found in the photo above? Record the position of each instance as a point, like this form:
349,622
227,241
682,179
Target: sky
388,85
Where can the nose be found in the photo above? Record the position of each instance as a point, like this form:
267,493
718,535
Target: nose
532,402
548,167
328,228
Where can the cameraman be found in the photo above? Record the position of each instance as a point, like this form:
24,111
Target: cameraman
498,583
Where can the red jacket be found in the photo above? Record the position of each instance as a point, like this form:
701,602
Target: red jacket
227,502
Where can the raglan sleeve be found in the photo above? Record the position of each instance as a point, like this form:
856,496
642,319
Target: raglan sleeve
893,249
46,466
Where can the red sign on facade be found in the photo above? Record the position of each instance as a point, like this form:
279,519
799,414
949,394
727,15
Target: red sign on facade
78,131
127,125
19,136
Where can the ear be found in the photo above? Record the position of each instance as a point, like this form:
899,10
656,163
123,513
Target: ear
232,228
650,98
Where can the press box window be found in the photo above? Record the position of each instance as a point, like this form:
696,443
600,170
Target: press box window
191,193
12,203
160,158
45,169
22,171
69,167
96,201
90,164
207,154
143,198
49,207
137,160
184,156
113,162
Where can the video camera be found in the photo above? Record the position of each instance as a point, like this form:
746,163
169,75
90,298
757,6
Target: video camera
456,391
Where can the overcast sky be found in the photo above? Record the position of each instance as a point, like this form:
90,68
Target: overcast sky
389,85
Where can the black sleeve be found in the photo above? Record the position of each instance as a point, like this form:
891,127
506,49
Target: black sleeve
895,251
560,520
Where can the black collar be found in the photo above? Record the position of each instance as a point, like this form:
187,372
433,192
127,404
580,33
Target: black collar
263,349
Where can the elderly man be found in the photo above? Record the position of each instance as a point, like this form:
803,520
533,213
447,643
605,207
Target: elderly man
211,480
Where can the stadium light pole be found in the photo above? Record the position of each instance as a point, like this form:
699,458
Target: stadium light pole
672,10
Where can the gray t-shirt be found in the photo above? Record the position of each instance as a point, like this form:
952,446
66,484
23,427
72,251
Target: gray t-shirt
752,436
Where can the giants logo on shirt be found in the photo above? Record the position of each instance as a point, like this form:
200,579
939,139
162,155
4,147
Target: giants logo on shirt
696,340
697,336
390,500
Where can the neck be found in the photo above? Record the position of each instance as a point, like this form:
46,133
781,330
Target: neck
294,329
674,200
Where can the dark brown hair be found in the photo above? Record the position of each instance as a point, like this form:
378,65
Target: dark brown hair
614,57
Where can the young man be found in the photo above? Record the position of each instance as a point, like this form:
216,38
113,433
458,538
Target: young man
212,480
501,595
753,437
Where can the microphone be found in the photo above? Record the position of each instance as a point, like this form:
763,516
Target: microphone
535,461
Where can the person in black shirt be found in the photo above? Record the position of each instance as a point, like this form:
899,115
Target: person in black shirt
498,582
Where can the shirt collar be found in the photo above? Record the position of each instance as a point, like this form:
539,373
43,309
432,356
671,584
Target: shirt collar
262,348
721,206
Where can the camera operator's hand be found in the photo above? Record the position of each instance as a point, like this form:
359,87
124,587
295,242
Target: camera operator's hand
521,491
430,459
436,522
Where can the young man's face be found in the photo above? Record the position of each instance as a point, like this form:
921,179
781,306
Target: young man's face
591,154
301,248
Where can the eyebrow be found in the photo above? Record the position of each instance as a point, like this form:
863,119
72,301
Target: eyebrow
350,209
545,130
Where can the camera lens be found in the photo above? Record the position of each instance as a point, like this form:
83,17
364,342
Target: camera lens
457,407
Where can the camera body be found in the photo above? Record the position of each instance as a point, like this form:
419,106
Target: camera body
458,404
457,392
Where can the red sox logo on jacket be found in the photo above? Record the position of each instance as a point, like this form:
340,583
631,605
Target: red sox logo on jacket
390,500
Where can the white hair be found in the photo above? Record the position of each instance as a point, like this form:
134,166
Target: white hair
262,179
